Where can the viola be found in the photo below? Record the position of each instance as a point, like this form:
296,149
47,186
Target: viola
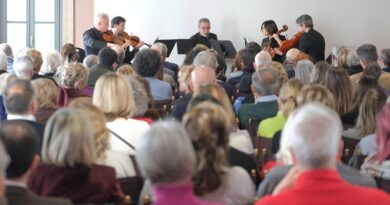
292,42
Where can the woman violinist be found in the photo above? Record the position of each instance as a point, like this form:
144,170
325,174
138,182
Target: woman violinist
272,39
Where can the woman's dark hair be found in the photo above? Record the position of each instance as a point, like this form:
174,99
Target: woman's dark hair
270,26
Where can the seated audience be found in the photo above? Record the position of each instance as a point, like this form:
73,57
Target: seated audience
5,48
167,158
366,53
248,59
21,105
213,180
353,62
339,84
68,166
318,74
236,69
23,67
90,60
264,86
51,63
287,104
37,60
315,150
303,70
147,63
120,161
21,141
47,94
118,108
68,54
376,147
4,162
4,79
372,103
107,59
73,84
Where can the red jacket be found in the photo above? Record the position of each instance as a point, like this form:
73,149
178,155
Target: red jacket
325,187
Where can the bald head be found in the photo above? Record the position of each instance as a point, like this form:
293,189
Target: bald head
262,58
202,75
293,55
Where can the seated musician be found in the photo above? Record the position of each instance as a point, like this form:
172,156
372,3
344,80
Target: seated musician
204,36
93,38
118,30
272,38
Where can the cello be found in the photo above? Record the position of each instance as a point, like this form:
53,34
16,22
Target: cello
267,46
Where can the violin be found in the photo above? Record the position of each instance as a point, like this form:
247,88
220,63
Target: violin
121,38
292,42
267,45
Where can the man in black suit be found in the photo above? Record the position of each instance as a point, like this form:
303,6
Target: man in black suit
204,36
311,42
21,105
20,140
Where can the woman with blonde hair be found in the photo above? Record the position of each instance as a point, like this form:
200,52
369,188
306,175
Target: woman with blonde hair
120,161
68,166
73,83
126,69
47,94
113,95
287,103
338,83
372,103
184,77
214,181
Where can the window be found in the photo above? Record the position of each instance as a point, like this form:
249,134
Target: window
31,24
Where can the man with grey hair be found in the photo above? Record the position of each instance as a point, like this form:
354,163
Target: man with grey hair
265,84
314,179
204,35
5,48
21,105
201,75
93,38
367,53
311,42
23,67
90,60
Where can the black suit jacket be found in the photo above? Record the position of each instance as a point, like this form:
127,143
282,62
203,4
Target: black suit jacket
19,195
313,44
93,41
38,127
199,39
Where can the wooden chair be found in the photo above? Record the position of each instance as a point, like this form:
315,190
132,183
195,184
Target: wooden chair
164,107
262,151
349,148
252,126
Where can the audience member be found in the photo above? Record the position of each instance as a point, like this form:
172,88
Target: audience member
315,149
385,58
21,140
68,166
47,94
107,59
318,73
23,67
4,162
51,63
366,53
90,60
303,71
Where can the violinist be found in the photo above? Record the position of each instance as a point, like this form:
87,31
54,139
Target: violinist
93,38
311,42
118,24
272,39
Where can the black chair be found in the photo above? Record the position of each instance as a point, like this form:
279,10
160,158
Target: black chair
383,184
132,186
80,54
349,148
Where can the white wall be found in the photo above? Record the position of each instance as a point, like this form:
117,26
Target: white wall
342,22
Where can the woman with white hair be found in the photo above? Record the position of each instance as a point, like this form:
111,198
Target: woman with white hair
167,158
303,71
68,169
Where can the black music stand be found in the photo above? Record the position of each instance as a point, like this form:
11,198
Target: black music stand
184,45
224,48
170,43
